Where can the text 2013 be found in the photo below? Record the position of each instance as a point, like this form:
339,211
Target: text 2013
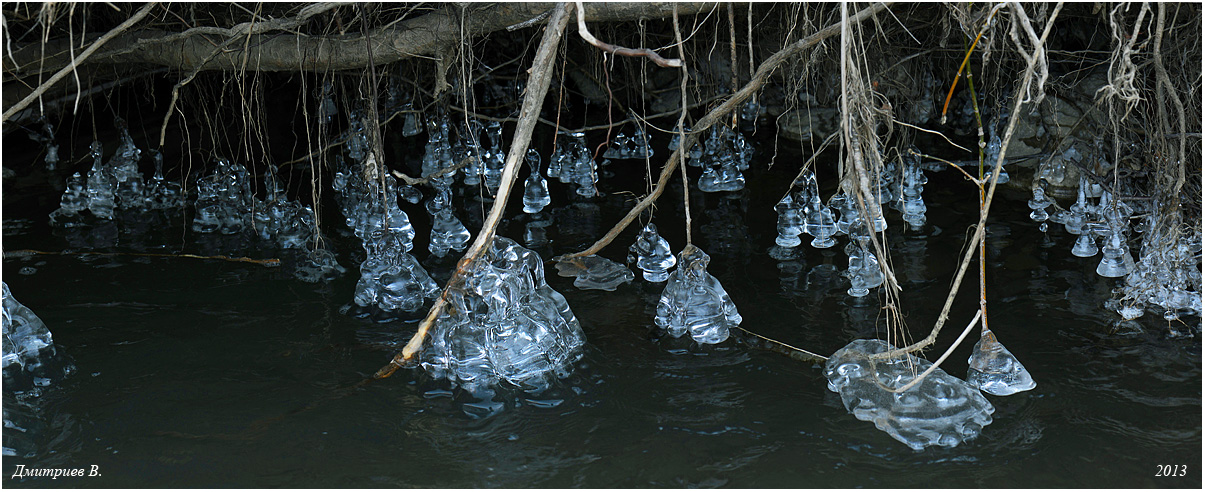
1171,470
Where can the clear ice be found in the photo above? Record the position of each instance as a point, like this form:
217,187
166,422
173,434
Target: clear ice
652,254
725,155
790,222
995,370
447,232
28,347
694,301
504,325
594,272
864,273
941,410
535,192
910,203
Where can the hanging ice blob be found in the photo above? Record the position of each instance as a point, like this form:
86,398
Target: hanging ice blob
504,324
864,273
1117,261
29,354
995,370
1084,247
652,254
694,301
535,192
102,200
790,223
447,232
941,410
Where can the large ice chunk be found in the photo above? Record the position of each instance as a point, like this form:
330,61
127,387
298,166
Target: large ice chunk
29,355
694,301
504,323
941,410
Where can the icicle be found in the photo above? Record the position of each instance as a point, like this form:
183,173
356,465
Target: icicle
694,301
995,370
653,255
940,410
535,192
101,199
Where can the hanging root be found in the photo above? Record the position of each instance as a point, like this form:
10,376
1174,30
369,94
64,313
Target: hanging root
541,78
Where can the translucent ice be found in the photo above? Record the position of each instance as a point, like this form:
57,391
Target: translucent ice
1084,246
535,192
504,325
102,187
995,370
447,232
29,353
694,301
1038,204
594,272
73,201
725,177
1116,261
864,273
391,279
790,222
653,255
941,410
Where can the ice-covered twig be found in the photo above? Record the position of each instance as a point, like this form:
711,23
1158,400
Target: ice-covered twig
541,77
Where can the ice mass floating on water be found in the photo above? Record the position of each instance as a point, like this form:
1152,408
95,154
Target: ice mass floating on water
694,302
504,324
941,410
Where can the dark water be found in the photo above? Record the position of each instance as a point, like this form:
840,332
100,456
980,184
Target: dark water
219,374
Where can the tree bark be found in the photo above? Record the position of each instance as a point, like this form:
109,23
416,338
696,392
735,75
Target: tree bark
282,51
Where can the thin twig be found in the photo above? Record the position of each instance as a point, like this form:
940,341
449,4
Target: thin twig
937,363
619,50
541,78
146,9
681,127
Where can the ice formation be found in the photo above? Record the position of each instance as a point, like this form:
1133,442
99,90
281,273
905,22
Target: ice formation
74,200
390,278
820,223
504,324
694,301
635,147
790,222
910,203
29,354
101,187
535,192
447,232
995,370
725,155
941,410
864,272
594,272
652,254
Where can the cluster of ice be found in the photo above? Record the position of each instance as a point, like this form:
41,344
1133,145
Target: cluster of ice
694,301
995,370
535,191
594,272
115,185
940,410
651,254
864,272
819,221
504,324
725,154
29,354
390,278
634,147
1167,275
571,163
